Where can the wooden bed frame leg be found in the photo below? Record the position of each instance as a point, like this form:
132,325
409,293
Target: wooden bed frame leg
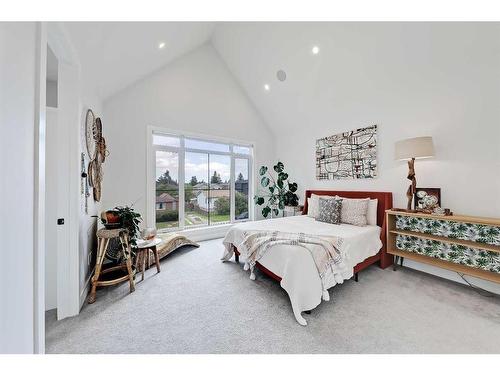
356,277
386,260
236,254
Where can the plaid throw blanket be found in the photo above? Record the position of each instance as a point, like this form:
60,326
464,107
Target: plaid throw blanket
324,249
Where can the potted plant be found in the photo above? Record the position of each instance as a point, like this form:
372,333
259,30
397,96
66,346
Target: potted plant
279,191
130,220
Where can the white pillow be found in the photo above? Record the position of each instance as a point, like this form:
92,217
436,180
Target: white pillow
371,214
313,204
354,211
312,209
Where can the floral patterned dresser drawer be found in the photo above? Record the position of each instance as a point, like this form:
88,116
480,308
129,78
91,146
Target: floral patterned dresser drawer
459,254
464,244
451,229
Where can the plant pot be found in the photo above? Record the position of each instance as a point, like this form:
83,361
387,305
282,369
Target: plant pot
112,217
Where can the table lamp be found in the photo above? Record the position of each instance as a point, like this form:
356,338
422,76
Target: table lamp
411,149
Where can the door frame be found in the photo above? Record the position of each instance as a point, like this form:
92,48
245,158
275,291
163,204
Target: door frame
68,294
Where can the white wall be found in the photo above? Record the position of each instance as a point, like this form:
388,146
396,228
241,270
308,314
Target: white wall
412,79
195,93
77,94
88,223
436,81
17,121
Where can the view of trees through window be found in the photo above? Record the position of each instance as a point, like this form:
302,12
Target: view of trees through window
207,184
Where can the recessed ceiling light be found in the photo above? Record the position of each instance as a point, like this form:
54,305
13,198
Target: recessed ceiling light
161,45
267,87
315,50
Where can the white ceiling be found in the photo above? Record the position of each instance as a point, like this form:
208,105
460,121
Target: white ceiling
356,60
114,55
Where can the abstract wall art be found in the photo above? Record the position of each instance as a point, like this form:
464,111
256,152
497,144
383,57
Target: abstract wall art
348,155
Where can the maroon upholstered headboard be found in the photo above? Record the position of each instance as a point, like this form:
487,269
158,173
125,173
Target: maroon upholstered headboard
384,203
384,200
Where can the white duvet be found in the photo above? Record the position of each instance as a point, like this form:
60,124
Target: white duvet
294,264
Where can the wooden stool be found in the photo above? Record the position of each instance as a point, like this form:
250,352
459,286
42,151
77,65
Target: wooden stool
103,237
142,259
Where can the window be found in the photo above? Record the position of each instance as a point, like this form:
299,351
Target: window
200,182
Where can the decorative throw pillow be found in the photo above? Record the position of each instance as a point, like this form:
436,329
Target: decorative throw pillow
329,210
313,204
312,208
354,211
371,214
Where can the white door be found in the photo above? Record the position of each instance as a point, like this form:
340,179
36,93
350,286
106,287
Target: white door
51,212
61,279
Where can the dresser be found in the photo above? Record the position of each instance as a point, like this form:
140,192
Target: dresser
465,244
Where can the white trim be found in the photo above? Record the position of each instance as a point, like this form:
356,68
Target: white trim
86,288
205,137
232,198
150,172
181,191
39,191
207,233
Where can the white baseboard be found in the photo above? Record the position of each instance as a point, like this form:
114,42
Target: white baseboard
86,288
453,276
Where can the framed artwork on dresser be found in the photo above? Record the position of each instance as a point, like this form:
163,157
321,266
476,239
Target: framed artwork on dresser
427,198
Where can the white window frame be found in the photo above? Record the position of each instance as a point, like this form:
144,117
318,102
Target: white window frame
181,152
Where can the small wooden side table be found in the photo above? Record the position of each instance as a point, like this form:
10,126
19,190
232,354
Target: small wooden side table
103,237
143,255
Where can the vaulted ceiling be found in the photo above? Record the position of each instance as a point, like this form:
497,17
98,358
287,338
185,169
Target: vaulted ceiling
113,55
375,55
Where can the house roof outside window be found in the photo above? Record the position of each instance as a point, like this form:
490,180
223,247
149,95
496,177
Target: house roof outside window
165,198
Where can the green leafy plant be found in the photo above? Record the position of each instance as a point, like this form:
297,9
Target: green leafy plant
279,191
130,220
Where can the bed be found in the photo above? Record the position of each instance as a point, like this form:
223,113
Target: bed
295,269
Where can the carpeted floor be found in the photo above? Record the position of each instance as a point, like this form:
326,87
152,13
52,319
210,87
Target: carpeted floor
199,305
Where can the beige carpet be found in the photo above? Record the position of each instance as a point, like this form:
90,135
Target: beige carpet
199,305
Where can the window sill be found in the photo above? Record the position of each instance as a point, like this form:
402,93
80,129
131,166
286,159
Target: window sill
203,233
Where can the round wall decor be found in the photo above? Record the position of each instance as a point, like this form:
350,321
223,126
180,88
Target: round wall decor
90,134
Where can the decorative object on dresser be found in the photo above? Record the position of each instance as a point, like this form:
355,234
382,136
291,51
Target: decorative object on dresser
279,191
465,244
427,199
411,149
351,154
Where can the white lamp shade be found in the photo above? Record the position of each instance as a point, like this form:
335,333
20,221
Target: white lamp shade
418,148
